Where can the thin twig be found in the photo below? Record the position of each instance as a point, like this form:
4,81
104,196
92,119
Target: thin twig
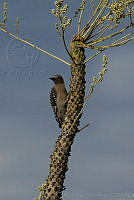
102,30
64,42
96,54
81,129
114,44
36,47
92,6
105,29
123,37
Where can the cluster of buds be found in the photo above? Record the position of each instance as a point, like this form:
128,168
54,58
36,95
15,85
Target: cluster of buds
5,13
104,2
96,80
82,6
59,3
132,9
60,12
41,189
66,22
117,10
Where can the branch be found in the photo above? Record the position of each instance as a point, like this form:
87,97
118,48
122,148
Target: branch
88,23
114,44
62,35
123,37
81,14
105,29
110,36
102,30
64,42
94,24
90,44
32,45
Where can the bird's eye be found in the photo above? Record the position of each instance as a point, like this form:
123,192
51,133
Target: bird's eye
58,78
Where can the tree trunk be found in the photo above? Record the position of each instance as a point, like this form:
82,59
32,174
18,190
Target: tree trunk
59,158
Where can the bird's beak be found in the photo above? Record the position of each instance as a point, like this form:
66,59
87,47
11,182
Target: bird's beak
52,78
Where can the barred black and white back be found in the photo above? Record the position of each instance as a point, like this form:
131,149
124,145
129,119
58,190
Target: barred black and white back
53,104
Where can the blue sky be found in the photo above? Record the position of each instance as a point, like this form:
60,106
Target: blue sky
102,156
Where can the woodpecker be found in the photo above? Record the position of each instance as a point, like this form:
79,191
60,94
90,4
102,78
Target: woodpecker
58,98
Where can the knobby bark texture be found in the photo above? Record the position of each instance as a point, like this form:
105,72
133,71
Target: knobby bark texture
59,158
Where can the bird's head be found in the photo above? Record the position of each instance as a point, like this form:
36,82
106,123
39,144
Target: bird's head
57,78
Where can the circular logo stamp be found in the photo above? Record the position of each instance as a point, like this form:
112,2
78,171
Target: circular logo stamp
21,54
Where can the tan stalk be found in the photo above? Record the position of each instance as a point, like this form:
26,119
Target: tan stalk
34,46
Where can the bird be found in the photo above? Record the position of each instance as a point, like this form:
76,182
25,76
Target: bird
58,98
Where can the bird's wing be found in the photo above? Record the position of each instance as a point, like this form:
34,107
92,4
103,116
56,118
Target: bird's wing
53,97
53,101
